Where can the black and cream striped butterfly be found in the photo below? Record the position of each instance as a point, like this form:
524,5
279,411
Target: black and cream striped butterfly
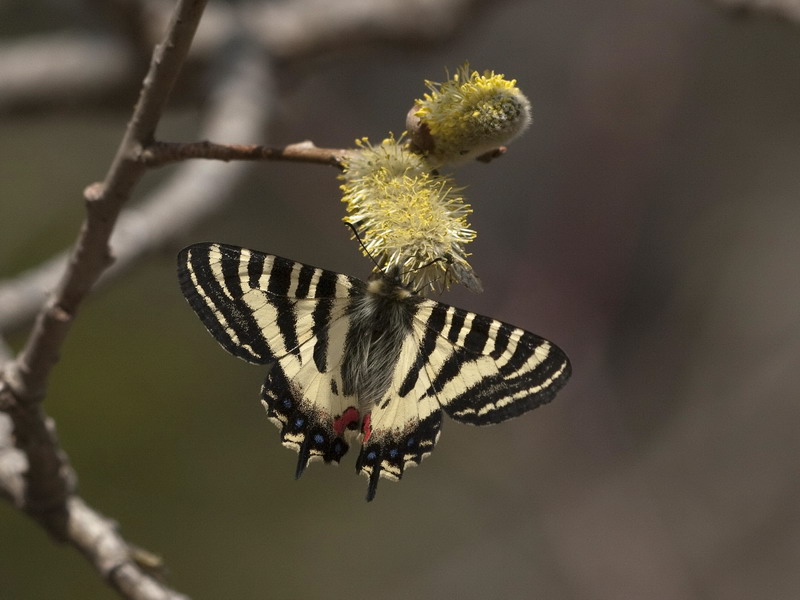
372,361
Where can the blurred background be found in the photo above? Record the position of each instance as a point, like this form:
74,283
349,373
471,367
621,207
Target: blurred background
647,223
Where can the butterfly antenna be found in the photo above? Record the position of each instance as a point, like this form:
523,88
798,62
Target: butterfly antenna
428,264
363,247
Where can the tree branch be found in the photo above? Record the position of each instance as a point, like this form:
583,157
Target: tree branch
96,537
161,153
238,108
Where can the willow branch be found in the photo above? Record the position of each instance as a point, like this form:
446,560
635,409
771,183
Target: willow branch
96,537
162,153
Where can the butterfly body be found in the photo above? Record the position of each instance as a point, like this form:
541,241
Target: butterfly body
380,319
371,361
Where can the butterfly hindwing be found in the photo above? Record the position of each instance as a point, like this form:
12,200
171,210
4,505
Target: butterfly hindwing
308,402
404,426
264,309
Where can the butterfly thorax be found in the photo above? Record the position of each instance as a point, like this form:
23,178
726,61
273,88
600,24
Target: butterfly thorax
381,318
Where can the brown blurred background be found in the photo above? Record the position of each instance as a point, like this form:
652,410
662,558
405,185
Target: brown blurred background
647,223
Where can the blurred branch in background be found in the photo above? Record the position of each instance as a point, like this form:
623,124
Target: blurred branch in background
784,9
239,105
80,71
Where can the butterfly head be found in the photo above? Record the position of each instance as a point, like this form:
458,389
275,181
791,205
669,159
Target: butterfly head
389,284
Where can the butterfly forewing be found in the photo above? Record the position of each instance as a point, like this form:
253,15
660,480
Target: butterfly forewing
304,320
484,371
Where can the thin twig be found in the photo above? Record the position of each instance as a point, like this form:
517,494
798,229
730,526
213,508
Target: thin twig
96,537
162,153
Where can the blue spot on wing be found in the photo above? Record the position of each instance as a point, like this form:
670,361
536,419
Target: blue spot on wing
304,429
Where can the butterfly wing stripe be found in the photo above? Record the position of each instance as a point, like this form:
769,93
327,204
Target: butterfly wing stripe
465,327
497,398
456,323
319,330
328,284
435,318
520,350
201,298
478,334
512,398
255,267
304,281
241,265
227,273
280,276
203,283
502,337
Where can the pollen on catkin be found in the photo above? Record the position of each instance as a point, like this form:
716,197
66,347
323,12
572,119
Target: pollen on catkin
467,116
408,219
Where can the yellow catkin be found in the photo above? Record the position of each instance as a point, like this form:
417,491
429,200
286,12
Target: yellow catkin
408,218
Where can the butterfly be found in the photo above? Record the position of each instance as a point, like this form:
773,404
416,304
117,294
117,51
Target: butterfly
369,361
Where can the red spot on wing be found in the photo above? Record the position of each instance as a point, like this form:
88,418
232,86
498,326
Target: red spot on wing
366,428
348,418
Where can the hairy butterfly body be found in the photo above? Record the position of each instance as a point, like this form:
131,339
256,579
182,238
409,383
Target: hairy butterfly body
370,361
